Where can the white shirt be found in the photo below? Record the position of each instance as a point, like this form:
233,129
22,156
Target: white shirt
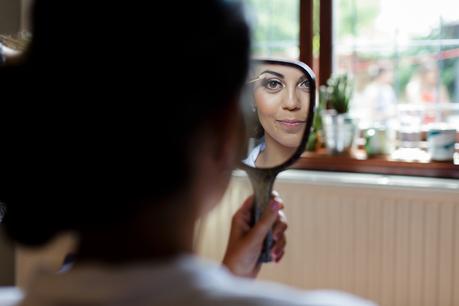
10,296
186,281
252,158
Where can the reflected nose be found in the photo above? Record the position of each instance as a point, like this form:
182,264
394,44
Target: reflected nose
291,101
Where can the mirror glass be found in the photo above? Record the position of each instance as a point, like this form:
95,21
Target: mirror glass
276,103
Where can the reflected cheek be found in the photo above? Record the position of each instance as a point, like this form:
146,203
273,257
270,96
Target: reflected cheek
267,104
304,100
292,140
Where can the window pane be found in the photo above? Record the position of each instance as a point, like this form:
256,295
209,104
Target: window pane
400,53
275,25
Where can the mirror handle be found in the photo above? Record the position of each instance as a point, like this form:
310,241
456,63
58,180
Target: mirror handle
265,255
262,183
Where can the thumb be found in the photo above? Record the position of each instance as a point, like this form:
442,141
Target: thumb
267,220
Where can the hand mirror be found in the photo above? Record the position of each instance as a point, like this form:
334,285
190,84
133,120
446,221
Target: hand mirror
278,104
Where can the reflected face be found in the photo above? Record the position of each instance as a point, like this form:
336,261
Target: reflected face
281,96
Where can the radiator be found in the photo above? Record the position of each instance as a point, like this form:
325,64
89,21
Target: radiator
395,244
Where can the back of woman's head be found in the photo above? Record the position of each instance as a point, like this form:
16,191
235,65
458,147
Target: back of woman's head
111,97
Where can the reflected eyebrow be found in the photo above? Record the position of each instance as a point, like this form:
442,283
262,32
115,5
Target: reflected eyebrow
302,79
273,72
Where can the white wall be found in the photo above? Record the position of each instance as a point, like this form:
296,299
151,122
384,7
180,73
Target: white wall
10,16
26,6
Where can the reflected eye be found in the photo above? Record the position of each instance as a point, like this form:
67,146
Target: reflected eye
304,85
272,84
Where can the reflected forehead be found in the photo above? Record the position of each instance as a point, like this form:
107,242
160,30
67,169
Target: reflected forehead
287,71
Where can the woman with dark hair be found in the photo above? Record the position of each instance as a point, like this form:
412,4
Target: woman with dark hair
124,150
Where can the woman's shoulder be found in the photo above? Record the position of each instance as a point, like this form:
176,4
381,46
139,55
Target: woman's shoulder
189,281
254,153
226,289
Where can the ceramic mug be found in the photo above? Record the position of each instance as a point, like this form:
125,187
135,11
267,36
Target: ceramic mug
440,143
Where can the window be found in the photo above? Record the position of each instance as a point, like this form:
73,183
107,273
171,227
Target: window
401,54
403,57
275,25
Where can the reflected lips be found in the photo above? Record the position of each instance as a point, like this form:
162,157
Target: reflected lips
292,124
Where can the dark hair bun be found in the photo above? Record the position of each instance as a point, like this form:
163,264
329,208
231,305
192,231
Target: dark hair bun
117,95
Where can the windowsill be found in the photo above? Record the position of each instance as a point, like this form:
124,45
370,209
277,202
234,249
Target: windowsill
363,179
358,163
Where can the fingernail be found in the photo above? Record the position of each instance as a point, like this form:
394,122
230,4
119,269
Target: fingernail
275,206
278,252
278,199
275,193
279,257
